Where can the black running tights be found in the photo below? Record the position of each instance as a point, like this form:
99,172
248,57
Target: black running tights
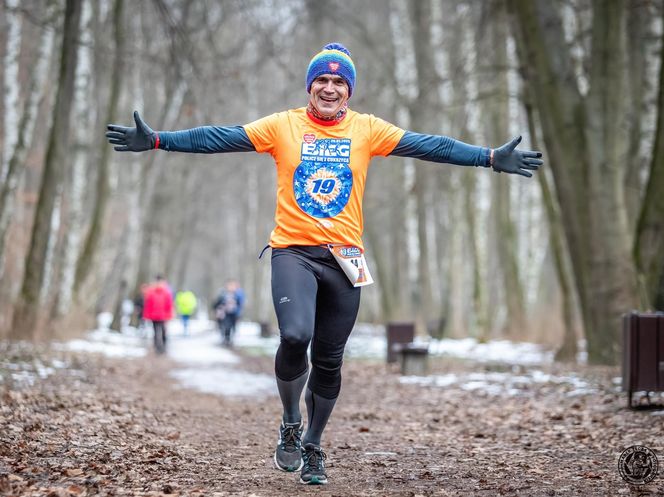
315,303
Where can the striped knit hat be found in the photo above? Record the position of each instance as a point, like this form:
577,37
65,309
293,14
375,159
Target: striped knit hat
333,59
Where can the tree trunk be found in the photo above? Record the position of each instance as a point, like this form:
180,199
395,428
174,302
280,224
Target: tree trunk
457,317
612,285
649,240
639,29
91,243
28,307
422,111
583,140
479,327
568,350
462,76
148,197
25,130
11,85
10,165
82,154
496,117
118,267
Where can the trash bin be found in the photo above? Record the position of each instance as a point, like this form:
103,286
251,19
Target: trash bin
414,359
398,333
643,353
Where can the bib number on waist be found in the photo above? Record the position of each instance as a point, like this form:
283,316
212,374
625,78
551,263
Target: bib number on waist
352,262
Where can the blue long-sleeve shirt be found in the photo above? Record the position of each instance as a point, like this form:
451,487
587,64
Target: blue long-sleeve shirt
221,139
437,148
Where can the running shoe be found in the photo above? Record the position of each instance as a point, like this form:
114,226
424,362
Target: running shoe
313,469
288,455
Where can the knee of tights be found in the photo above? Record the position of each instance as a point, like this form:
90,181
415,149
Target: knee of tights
295,338
290,362
325,379
326,385
329,365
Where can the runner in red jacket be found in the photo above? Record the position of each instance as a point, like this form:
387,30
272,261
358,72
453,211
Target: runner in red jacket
158,308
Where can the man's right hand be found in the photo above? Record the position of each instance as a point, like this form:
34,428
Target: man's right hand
137,139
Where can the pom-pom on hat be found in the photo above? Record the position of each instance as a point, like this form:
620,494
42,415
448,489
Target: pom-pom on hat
333,59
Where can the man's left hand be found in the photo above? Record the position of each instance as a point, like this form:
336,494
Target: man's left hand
510,160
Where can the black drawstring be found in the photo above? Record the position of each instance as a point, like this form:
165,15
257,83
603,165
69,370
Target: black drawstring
263,251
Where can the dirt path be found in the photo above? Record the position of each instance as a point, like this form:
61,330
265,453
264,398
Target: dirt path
123,427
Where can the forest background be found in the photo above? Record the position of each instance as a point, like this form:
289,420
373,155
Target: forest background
555,259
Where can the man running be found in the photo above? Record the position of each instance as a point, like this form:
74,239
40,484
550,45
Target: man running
322,154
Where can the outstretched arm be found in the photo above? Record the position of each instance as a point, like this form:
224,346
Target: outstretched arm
203,140
444,149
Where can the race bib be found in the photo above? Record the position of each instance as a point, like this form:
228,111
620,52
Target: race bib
352,262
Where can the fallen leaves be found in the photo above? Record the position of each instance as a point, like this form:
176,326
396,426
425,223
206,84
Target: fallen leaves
73,472
125,433
175,435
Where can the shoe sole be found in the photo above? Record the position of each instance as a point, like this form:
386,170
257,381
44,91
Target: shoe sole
314,481
287,470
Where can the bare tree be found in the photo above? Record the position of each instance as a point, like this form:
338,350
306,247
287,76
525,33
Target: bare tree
583,135
496,117
74,190
103,188
24,130
25,317
649,240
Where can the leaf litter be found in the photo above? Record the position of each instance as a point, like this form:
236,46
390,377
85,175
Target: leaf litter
98,425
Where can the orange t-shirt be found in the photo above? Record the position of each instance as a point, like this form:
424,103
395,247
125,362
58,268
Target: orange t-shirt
321,173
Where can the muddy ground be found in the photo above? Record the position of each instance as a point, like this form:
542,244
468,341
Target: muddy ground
106,426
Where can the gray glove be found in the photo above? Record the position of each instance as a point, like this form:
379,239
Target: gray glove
506,158
137,139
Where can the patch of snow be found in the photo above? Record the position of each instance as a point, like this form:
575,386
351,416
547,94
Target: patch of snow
28,373
104,320
107,349
108,343
210,364
248,336
582,354
58,364
201,349
208,367
24,377
507,384
226,382
504,351
44,371
367,341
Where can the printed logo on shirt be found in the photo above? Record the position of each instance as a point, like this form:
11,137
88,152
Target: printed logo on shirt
323,181
309,138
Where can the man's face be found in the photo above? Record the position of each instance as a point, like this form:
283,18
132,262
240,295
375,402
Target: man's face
328,94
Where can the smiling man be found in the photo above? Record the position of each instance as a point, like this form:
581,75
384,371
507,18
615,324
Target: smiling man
322,153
